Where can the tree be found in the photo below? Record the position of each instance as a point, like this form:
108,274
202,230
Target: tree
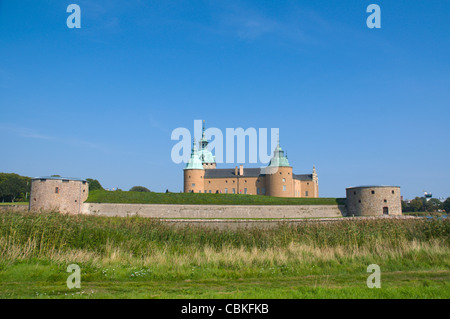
416,204
405,207
446,205
139,189
13,187
94,184
433,205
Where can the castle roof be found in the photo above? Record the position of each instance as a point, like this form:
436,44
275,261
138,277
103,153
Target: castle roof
230,173
194,162
60,178
278,159
303,177
204,154
371,186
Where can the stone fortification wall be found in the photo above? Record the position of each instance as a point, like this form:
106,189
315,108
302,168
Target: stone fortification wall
214,211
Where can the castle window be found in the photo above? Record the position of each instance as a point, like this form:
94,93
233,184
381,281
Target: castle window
306,193
245,190
200,191
284,187
84,190
201,176
359,201
257,191
210,191
226,190
234,190
264,190
284,179
280,173
245,181
84,182
354,193
193,185
373,192
307,183
56,190
226,181
385,201
234,181
209,182
393,192
75,200
189,177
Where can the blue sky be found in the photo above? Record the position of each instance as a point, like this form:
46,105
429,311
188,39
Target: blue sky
366,106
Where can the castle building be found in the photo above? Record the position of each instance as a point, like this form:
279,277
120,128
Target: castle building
277,179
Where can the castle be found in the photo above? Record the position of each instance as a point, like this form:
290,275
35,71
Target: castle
277,179
68,195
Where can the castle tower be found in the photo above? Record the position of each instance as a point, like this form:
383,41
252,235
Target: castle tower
62,194
194,173
279,180
208,160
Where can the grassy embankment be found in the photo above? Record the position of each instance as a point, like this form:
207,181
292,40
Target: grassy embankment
138,257
17,203
123,197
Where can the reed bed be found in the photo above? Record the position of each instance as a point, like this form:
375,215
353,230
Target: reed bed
143,242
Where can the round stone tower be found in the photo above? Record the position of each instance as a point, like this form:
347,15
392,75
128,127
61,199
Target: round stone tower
194,173
373,201
65,195
279,180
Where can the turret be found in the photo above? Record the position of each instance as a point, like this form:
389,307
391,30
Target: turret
279,181
194,173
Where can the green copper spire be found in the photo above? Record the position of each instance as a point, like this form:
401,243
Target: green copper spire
278,159
194,162
204,154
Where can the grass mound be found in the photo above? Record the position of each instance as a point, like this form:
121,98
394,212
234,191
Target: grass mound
123,197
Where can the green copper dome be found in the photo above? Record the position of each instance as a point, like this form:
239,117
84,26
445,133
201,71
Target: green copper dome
279,159
194,162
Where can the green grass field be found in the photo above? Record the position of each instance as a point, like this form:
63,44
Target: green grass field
100,196
137,257
17,203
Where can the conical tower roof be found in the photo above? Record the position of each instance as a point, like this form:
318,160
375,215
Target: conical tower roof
194,162
278,159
